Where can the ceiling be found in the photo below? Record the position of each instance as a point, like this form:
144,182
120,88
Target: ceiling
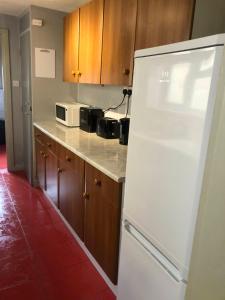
17,7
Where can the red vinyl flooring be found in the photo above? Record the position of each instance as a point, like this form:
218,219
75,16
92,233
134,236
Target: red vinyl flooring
3,160
39,258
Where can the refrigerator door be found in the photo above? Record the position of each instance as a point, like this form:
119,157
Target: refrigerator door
172,106
144,273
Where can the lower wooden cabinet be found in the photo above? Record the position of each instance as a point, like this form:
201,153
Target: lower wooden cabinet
40,160
89,200
71,182
102,219
52,172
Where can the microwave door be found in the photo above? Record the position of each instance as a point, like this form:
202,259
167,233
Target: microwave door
60,113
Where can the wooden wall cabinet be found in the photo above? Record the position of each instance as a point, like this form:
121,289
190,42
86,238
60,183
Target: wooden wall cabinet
163,22
71,185
102,219
71,47
118,42
90,45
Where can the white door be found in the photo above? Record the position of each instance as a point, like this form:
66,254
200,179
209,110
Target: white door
144,274
172,105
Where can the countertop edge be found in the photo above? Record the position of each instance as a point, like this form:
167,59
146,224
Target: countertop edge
82,156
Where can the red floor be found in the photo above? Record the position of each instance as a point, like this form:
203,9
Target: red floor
3,160
39,258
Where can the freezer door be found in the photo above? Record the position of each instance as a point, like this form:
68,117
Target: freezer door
143,275
172,106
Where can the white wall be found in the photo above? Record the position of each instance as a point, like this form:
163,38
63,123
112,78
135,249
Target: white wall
46,92
209,18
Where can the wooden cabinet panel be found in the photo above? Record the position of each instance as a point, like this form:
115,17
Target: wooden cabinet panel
71,47
71,184
102,219
40,164
90,48
163,22
118,41
52,177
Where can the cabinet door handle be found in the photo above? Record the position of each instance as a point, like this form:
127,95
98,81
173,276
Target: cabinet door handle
126,72
45,156
42,153
79,73
97,182
60,170
74,73
86,196
49,145
37,135
68,158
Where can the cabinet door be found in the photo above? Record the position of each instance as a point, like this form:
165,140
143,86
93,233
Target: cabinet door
71,181
90,48
102,220
40,164
163,22
52,174
118,41
71,46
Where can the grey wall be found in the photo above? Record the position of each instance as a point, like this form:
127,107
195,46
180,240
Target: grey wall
12,24
101,96
45,92
209,18
2,117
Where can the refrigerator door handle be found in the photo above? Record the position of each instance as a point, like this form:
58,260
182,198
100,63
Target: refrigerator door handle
154,252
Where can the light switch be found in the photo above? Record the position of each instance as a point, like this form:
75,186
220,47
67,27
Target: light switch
15,83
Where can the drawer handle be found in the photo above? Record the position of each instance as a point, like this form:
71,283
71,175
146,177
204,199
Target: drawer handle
86,196
68,158
45,156
37,135
98,182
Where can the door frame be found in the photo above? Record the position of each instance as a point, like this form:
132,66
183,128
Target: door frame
4,38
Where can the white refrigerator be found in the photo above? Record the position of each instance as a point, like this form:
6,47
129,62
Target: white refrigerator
174,95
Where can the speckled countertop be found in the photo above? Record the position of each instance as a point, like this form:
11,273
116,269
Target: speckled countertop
108,156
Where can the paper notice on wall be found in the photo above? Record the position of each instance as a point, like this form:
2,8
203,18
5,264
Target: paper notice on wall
44,63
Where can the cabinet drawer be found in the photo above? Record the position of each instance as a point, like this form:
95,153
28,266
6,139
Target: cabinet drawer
39,136
69,159
51,145
103,186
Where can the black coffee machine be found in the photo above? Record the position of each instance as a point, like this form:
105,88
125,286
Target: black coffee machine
124,131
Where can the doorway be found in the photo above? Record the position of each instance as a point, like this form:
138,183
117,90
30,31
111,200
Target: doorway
6,124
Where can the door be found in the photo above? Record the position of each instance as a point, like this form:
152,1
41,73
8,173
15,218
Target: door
90,46
144,273
71,183
171,114
71,47
163,22
26,103
118,42
102,220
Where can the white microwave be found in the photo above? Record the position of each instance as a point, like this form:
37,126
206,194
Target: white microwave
68,113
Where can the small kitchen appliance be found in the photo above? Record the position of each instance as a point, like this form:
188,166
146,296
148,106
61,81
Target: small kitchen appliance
124,125
108,128
88,118
68,113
